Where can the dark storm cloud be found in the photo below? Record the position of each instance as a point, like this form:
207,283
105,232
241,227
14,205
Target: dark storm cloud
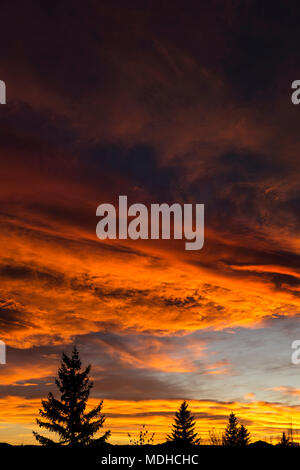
242,256
120,293
58,212
244,166
189,301
28,129
281,282
50,62
139,164
263,40
11,318
30,273
249,263
235,190
227,192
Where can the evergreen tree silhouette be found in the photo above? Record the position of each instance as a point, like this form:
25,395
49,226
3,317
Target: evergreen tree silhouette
243,436
284,442
183,430
231,435
66,417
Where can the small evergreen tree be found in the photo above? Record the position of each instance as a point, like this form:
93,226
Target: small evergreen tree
183,430
235,435
231,435
284,442
243,436
66,417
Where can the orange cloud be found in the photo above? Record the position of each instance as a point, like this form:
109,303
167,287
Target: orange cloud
68,286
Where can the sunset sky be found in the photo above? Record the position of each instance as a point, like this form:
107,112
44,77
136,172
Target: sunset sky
162,101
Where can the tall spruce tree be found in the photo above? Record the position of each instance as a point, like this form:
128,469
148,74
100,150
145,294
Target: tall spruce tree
235,435
183,430
243,436
67,417
231,435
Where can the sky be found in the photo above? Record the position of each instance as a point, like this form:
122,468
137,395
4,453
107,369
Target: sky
186,102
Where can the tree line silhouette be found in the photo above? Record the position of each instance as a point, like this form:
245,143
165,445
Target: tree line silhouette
67,417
